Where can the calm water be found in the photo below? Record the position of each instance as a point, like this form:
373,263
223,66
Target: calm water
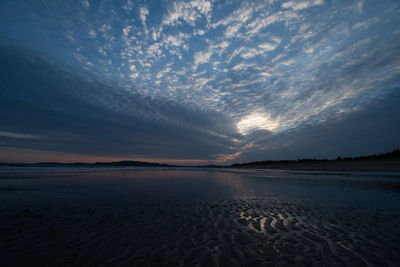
370,190
197,217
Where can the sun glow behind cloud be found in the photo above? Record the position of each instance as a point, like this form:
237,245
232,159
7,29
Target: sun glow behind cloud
257,121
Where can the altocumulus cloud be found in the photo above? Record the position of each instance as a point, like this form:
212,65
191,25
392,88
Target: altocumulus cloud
47,107
199,79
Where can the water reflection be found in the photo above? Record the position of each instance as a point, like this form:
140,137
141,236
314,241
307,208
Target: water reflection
204,183
177,217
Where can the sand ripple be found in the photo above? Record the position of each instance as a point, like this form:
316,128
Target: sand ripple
245,232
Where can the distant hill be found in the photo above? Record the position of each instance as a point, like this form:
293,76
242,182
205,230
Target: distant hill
208,166
125,163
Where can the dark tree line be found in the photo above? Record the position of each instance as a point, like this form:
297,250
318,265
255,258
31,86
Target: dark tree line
395,154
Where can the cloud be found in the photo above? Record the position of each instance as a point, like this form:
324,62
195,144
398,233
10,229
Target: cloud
128,5
201,57
263,21
300,63
288,62
360,6
92,34
267,46
300,5
372,129
126,30
261,50
154,50
257,121
18,135
143,13
203,6
231,30
250,53
176,40
239,16
85,3
89,117
187,12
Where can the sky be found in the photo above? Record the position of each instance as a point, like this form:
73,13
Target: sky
198,82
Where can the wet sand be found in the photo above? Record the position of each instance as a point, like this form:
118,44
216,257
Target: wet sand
66,222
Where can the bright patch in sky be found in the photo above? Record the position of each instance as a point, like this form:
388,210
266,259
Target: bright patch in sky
211,69
257,121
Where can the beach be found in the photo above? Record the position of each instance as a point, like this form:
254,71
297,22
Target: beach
365,165
197,217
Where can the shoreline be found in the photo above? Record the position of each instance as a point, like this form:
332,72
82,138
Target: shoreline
389,165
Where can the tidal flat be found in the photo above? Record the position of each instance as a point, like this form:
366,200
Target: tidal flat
198,217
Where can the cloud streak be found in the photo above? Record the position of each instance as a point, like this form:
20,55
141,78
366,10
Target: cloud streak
18,135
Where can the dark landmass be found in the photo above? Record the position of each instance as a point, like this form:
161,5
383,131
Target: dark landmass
97,164
386,162
209,166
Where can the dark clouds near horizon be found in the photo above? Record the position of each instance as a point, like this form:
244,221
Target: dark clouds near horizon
201,81
57,110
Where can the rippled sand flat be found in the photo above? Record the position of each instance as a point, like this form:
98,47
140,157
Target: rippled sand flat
263,230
